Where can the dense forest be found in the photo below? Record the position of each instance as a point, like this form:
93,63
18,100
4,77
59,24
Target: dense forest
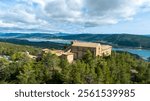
10,49
35,44
116,40
117,68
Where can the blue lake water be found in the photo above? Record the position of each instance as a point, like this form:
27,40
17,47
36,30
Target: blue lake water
49,40
141,52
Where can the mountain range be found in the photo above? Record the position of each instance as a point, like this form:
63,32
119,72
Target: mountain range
116,40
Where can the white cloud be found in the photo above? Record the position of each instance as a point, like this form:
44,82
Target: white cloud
2,24
49,14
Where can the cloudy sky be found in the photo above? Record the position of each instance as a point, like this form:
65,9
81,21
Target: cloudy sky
75,16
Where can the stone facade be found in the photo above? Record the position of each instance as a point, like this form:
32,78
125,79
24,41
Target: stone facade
78,49
69,56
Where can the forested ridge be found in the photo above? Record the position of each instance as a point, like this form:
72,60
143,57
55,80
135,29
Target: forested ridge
9,49
35,44
116,40
117,68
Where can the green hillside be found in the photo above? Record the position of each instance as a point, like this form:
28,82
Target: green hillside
120,40
41,44
129,40
118,68
116,40
9,49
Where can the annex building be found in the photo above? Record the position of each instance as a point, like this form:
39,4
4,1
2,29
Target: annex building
78,49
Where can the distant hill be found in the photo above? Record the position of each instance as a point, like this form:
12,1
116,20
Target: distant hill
116,40
147,35
86,37
31,35
36,44
129,40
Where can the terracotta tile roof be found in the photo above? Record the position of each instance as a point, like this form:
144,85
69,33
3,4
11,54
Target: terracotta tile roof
85,44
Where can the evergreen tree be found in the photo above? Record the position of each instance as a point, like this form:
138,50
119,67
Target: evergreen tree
66,70
3,69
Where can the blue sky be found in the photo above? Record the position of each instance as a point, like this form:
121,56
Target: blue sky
75,16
